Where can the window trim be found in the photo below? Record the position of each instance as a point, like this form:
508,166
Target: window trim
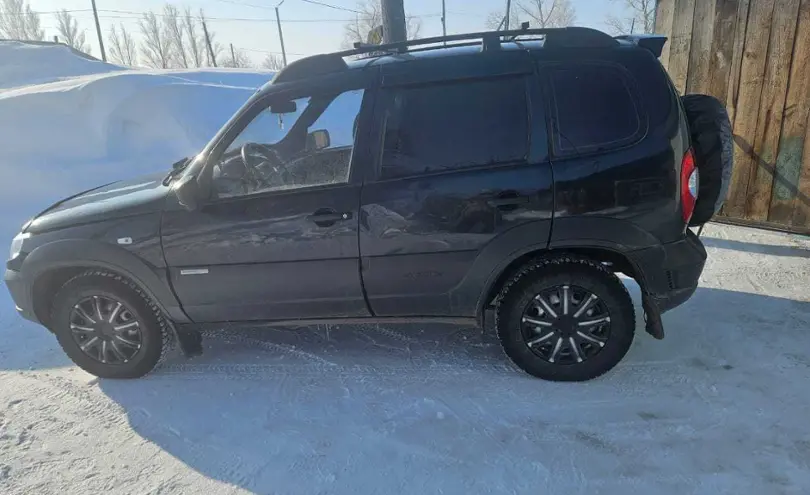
380,116
260,104
552,120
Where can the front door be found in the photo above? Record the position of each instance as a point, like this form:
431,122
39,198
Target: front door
279,239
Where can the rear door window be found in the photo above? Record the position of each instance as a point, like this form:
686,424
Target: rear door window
453,126
594,108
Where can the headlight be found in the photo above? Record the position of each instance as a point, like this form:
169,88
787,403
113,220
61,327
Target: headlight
16,245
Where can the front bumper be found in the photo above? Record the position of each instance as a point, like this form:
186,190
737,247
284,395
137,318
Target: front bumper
21,294
671,272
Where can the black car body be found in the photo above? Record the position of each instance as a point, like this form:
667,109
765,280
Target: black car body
437,178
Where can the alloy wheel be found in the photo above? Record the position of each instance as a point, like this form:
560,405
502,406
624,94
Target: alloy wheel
565,324
106,330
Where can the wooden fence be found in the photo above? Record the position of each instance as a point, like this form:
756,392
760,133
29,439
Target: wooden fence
755,56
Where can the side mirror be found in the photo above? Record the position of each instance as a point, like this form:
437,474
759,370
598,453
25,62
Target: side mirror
284,106
319,139
188,192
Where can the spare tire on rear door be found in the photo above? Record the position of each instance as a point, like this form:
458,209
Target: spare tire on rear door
713,145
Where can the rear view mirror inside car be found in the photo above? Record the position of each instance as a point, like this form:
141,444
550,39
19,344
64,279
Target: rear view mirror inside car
284,106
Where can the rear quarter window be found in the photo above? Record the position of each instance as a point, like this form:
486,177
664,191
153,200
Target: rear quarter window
594,107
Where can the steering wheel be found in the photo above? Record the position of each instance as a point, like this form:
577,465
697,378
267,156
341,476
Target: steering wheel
263,166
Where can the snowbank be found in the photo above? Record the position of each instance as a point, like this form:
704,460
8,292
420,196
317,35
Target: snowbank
72,133
24,63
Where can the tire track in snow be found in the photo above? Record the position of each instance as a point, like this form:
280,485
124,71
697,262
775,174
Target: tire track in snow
220,464
263,371
223,465
268,346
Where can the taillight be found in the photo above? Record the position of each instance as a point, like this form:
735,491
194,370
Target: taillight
690,180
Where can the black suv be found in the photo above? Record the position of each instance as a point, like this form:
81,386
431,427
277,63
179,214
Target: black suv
515,171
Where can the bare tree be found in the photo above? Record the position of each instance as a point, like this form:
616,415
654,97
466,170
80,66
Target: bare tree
549,13
273,62
68,29
173,27
196,40
156,46
122,46
495,20
18,21
640,17
236,59
369,18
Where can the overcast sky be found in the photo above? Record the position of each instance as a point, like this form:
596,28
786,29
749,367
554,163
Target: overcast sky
250,24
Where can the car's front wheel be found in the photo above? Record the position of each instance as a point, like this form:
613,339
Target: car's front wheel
565,319
108,326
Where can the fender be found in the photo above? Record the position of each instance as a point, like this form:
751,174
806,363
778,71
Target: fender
94,254
610,234
622,236
466,298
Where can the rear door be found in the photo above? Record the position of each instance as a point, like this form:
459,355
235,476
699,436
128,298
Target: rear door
463,159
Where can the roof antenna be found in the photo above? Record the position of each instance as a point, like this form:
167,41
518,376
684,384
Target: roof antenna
524,26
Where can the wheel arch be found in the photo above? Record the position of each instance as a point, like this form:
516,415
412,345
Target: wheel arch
618,260
53,264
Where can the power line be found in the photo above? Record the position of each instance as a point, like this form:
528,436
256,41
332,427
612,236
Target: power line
315,2
130,14
234,2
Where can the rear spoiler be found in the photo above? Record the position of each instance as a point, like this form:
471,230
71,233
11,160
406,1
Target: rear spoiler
652,42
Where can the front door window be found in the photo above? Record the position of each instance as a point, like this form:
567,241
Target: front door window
292,144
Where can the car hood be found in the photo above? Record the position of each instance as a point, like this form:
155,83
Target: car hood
118,199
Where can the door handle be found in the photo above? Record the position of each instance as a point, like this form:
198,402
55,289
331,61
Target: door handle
508,201
326,217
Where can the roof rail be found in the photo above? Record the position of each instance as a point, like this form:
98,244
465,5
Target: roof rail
568,37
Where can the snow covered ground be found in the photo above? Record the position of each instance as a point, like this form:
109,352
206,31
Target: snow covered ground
718,407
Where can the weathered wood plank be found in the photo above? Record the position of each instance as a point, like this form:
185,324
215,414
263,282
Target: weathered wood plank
752,75
801,207
737,51
792,148
722,49
772,107
681,42
697,80
664,15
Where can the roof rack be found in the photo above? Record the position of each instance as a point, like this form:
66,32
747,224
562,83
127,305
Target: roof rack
569,37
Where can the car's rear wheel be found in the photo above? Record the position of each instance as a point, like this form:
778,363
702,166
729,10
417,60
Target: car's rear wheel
565,319
108,326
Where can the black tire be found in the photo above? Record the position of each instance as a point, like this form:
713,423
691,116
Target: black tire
712,141
572,273
153,335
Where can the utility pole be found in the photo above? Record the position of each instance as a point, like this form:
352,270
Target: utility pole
213,58
508,14
233,56
281,35
444,20
98,31
393,14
